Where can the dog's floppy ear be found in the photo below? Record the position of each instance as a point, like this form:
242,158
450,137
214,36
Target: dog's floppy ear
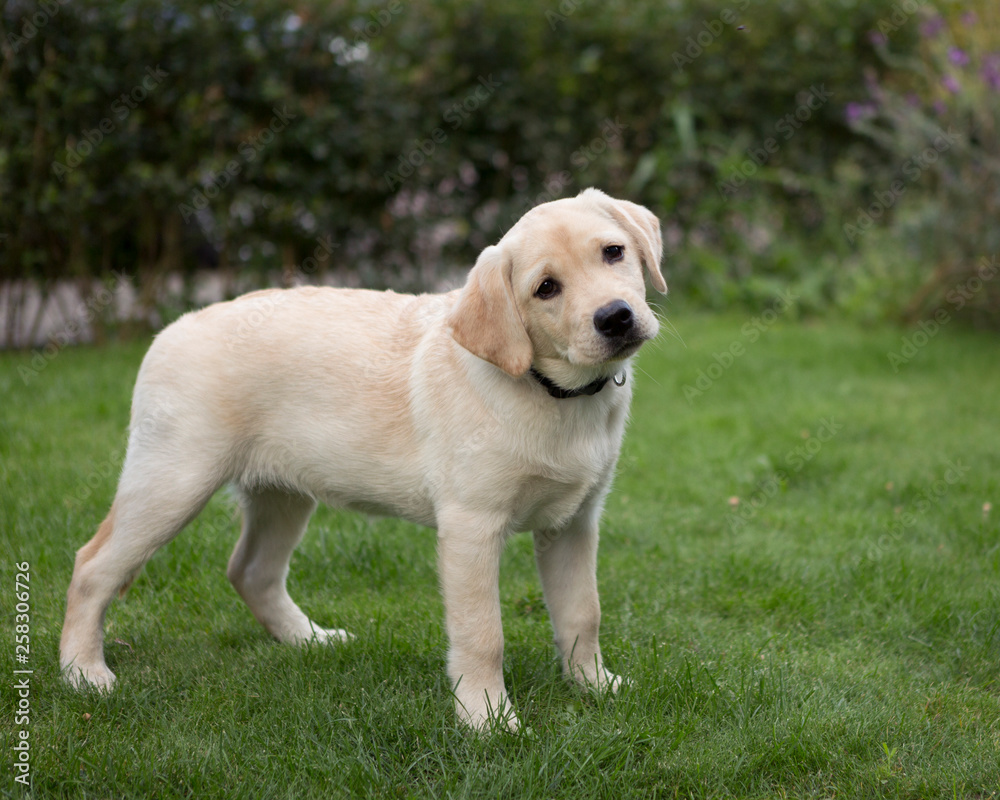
485,320
644,227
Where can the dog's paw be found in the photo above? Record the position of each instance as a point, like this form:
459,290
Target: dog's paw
96,676
613,683
310,633
331,635
598,679
486,715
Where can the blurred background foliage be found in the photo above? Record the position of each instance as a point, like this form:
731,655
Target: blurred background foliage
385,143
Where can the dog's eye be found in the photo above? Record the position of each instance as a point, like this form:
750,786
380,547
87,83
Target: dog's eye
613,253
547,289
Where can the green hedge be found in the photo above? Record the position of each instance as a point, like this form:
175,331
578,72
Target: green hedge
937,117
395,138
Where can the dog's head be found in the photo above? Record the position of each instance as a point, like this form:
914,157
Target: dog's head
564,290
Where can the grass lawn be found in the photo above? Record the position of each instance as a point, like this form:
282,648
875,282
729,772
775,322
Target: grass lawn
798,573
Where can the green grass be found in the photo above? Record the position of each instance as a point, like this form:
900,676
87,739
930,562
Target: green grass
842,640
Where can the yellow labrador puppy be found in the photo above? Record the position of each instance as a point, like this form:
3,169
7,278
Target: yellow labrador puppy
493,409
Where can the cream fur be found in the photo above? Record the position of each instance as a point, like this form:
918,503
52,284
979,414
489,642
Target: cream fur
411,406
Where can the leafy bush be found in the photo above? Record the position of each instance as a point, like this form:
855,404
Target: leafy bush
392,140
938,116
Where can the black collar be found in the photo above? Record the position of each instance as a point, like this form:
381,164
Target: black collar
561,394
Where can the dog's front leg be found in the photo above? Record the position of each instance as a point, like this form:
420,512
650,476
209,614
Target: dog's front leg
469,550
567,564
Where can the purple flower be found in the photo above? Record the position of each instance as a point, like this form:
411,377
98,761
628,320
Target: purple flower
855,112
969,18
940,108
877,38
990,71
932,27
958,57
950,83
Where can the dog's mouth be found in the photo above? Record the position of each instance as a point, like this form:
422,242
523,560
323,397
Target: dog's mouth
596,357
620,350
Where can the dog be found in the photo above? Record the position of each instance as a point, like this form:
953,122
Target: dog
489,410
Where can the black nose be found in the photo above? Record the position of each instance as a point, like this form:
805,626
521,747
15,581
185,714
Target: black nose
614,320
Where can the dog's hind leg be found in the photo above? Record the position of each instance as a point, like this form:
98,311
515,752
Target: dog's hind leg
142,519
273,524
